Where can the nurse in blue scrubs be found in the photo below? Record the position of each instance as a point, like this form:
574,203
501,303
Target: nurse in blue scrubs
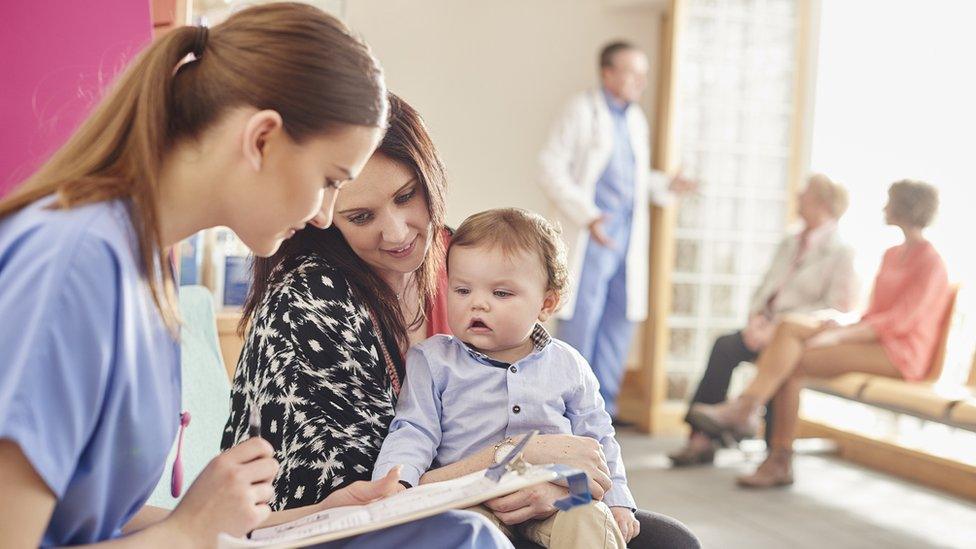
256,130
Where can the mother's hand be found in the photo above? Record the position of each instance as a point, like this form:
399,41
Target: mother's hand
534,502
362,492
583,453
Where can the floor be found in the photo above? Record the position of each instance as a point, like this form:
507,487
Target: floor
833,503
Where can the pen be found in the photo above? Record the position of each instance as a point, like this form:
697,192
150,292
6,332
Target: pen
254,422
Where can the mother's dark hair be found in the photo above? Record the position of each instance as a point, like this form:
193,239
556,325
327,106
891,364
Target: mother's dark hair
407,143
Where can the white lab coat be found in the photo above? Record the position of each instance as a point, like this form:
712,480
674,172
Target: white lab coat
572,161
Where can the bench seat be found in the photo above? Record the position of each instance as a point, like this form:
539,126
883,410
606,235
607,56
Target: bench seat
924,399
963,414
847,385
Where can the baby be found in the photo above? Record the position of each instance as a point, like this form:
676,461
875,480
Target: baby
501,375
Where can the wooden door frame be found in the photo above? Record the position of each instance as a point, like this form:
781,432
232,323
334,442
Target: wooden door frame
644,389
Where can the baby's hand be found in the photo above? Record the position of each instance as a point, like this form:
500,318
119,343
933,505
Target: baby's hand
627,522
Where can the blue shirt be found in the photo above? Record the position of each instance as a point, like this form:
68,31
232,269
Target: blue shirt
615,188
456,401
90,378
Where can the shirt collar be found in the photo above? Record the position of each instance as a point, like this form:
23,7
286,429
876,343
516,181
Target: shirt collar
540,337
614,104
540,340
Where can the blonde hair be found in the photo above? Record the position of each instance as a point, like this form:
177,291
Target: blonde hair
913,202
289,57
832,195
514,230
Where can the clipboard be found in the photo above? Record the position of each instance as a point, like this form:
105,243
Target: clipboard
508,476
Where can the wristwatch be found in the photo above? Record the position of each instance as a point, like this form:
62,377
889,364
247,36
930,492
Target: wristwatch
503,448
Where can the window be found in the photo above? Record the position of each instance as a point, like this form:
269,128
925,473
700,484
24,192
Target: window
897,103
736,105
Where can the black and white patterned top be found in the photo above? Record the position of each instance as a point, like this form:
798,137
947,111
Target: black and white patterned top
313,364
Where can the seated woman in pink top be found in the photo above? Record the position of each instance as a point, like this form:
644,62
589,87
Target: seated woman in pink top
896,337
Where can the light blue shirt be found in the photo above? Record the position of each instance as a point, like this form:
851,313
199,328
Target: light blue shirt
89,375
615,188
456,401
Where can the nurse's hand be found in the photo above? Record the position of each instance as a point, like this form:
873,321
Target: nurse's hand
583,453
231,494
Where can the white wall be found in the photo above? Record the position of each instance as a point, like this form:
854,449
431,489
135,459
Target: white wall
489,77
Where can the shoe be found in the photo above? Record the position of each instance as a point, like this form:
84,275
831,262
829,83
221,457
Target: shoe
775,471
731,421
689,456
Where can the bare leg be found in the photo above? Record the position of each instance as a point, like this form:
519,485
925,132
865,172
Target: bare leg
780,358
739,418
821,362
827,362
786,407
777,468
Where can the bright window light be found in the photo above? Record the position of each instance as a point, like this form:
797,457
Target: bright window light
895,99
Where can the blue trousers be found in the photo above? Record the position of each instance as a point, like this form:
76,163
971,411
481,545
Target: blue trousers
599,329
454,529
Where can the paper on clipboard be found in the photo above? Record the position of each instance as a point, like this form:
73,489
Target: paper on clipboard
407,506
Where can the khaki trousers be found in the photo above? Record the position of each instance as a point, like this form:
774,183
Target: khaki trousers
584,527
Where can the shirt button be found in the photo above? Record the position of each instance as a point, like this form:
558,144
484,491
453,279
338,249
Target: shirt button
514,370
516,409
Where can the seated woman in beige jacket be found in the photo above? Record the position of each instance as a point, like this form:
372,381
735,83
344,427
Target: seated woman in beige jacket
812,272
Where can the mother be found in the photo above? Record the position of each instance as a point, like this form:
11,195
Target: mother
332,314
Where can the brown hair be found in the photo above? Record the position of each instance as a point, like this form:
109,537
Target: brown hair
291,58
610,50
407,143
513,230
913,202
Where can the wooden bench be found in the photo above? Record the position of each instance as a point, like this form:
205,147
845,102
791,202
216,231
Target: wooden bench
925,399
928,399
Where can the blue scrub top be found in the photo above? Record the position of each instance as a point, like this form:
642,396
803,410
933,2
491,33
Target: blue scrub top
615,188
89,374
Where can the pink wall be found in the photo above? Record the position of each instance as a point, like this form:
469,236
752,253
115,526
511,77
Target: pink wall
56,58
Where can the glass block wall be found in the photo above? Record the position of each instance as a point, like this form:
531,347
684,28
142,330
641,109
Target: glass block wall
735,110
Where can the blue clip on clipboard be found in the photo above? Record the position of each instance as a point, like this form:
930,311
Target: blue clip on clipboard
578,482
579,487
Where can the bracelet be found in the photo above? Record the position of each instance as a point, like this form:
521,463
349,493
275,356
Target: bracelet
494,451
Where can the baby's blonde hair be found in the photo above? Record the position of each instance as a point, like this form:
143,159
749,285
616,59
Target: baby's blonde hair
513,230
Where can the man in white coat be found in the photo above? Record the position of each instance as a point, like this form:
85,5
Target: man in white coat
595,168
